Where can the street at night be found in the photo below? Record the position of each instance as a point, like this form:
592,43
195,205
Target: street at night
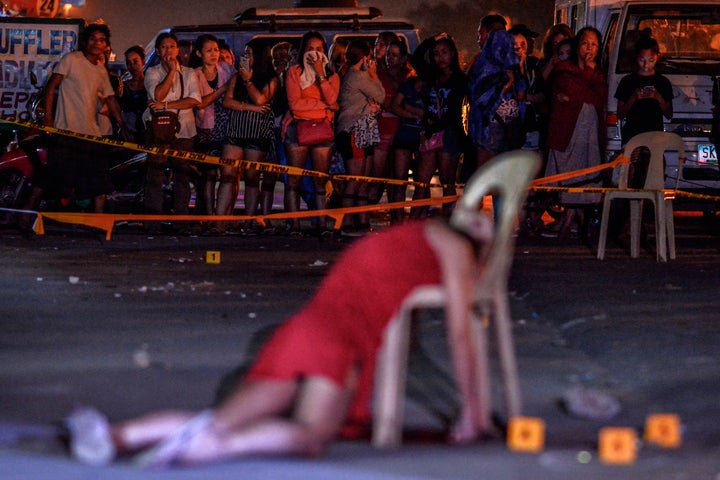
139,323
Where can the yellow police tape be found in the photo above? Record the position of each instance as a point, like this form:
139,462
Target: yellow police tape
211,159
106,221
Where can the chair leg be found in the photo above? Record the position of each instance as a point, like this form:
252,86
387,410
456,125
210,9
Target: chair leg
670,226
604,228
660,228
390,380
506,350
635,222
483,371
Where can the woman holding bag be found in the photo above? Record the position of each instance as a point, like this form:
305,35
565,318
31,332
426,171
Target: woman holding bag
361,95
312,91
443,137
171,87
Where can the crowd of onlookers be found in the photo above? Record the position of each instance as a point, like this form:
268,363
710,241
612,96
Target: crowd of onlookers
363,110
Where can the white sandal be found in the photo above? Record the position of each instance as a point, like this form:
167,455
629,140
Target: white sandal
90,439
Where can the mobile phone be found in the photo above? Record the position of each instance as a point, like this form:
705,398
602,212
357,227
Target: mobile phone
648,90
244,62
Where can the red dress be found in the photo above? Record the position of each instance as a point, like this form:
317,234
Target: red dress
343,325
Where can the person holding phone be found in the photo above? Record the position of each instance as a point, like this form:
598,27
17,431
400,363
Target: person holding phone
645,96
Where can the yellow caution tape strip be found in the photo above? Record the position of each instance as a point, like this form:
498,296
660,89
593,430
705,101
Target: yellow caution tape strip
106,221
211,159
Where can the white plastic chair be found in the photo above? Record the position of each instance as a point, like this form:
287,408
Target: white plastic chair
658,143
508,175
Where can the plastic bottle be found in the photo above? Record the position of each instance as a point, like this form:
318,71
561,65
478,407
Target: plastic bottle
14,143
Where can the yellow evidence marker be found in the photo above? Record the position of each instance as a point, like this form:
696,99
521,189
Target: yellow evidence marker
617,445
526,434
663,430
212,256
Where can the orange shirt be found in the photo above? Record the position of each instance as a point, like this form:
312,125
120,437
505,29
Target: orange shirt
316,101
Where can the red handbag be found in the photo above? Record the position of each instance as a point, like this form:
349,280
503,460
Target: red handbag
315,132
432,144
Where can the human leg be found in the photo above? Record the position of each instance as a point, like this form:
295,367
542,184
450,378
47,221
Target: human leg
154,189
319,407
321,156
296,156
351,189
181,177
425,170
447,171
227,192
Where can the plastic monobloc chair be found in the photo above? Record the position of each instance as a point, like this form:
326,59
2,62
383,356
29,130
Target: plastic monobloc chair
658,143
507,175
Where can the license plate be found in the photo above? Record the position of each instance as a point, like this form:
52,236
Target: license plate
707,154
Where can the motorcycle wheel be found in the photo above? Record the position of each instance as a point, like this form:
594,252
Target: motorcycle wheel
11,190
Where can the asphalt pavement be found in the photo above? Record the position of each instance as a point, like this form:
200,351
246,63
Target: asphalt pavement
139,323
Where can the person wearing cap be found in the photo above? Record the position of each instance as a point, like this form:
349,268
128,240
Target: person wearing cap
316,372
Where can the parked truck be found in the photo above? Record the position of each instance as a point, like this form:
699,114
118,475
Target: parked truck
688,32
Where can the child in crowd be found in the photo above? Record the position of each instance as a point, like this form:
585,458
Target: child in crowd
564,49
645,96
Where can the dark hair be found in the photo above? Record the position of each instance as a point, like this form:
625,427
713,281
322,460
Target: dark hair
89,30
647,43
356,51
387,37
552,32
563,42
136,49
281,46
402,45
303,45
490,20
262,70
576,42
163,36
338,49
195,61
450,42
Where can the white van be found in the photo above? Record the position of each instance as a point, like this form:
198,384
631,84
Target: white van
688,32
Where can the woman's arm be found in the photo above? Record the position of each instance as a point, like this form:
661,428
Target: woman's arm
163,88
262,96
208,94
460,273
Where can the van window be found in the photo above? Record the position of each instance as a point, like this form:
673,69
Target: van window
609,40
688,35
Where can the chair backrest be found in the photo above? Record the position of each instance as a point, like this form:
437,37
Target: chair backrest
508,176
658,143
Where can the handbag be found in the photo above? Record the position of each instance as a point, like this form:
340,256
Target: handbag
508,115
367,131
164,124
314,132
432,143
